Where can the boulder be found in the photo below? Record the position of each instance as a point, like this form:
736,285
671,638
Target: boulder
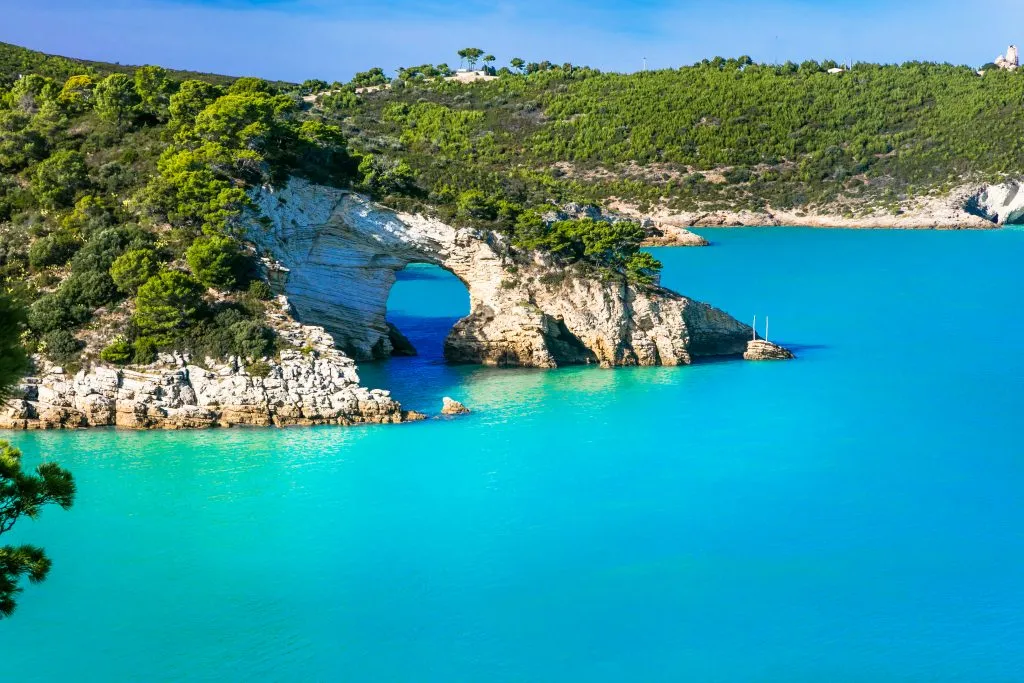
452,407
759,349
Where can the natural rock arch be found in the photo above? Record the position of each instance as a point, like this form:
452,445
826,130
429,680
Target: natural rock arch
335,255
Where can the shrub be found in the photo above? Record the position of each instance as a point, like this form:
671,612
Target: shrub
215,261
57,311
57,179
90,289
90,216
258,368
61,346
475,204
133,268
167,303
258,289
232,333
117,352
145,351
56,249
383,175
251,339
102,249
13,360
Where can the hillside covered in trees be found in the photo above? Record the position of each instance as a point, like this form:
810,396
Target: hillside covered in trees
718,134
123,190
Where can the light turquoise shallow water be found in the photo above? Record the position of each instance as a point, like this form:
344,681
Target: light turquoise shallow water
856,515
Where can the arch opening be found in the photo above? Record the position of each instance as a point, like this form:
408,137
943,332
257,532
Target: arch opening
424,303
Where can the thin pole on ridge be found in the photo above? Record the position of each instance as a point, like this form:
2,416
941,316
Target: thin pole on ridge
755,329
766,328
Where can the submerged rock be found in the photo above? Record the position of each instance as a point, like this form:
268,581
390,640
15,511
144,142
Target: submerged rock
759,349
452,407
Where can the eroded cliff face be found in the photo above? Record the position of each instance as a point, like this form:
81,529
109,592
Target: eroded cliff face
336,254
1000,204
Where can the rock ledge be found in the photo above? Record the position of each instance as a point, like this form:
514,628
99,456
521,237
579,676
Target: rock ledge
311,383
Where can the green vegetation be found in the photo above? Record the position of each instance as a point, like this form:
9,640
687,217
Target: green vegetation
13,360
116,181
124,183
134,268
718,134
216,261
15,61
118,352
24,494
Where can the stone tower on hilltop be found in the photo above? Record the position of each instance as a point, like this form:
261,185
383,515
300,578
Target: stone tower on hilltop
1011,61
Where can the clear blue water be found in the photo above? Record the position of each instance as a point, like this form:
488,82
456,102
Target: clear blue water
856,515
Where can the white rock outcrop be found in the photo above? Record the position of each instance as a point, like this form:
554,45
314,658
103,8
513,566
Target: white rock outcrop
336,254
312,384
449,406
1001,204
760,349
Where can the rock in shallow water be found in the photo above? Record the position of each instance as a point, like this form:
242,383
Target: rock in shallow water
452,407
760,349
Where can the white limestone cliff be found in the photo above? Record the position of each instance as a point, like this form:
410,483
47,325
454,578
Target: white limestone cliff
336,255
1001,204
333,255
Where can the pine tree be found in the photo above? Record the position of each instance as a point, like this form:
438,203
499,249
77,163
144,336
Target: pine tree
22,494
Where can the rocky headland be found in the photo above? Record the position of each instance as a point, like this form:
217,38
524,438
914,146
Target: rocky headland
332,256
335,255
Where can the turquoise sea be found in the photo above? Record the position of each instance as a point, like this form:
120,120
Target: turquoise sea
855,515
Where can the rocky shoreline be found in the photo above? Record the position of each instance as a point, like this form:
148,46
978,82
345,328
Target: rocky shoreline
311,383
332,256
969,207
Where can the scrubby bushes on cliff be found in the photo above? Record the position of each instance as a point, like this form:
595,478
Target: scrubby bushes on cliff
383,175
604,244
57,179
166,305
60,346
55,249
215,261
110,176
118,352
13,359
132,269
785,136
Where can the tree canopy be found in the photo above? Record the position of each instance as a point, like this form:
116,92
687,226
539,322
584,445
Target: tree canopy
24,494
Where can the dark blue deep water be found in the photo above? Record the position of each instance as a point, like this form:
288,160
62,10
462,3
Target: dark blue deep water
856,515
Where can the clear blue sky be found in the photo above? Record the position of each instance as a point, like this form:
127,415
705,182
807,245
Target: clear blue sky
298,39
